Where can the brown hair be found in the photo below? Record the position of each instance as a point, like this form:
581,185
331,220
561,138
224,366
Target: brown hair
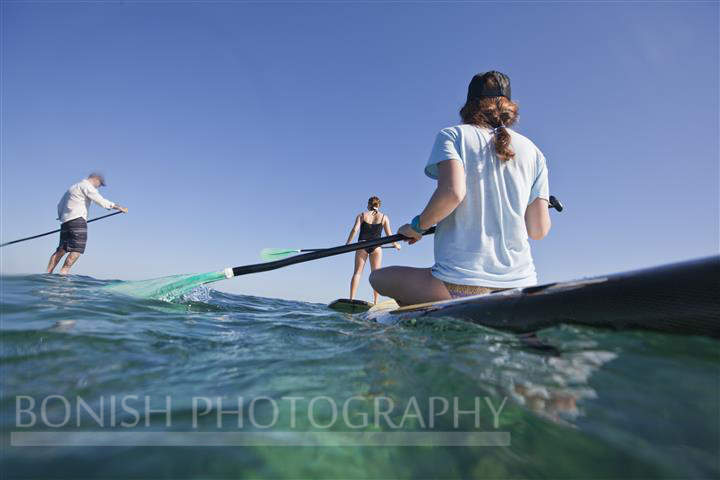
493,112
373,203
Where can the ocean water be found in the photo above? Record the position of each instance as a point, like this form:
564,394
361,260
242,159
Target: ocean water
580,403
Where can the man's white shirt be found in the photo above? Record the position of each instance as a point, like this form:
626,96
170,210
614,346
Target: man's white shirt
76,201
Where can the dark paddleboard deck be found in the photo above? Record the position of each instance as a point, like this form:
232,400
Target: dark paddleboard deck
682,298
346,305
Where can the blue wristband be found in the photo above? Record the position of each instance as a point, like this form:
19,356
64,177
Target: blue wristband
415,224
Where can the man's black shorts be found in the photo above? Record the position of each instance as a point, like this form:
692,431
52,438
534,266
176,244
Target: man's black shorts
73,235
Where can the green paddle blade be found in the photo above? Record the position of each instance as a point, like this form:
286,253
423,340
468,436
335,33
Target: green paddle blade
270,254
166,288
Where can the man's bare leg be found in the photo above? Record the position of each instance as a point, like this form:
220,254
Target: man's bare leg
55,259
69,262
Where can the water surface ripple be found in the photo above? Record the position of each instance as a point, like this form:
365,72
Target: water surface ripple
605,405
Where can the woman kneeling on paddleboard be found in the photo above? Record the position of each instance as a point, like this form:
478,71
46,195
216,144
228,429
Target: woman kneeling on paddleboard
492,193
370,225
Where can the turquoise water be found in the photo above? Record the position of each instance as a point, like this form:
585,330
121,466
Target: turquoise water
594,404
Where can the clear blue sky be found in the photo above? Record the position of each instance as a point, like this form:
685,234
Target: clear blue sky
227,127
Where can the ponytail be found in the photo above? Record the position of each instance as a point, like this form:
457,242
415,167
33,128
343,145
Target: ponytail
502,144
374,203
496,113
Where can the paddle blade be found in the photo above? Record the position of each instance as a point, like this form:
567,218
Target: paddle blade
166,288
271,254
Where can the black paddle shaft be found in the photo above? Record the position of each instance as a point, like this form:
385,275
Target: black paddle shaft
329,252
54,231
305,250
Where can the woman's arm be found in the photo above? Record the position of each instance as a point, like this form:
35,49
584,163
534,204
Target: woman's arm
354,230
537,219
388,231
450,192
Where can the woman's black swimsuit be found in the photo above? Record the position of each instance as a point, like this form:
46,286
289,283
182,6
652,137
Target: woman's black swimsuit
370,231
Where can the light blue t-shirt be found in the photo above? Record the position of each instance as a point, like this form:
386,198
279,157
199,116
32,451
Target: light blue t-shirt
484,242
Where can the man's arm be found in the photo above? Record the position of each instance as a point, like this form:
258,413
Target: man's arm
95,196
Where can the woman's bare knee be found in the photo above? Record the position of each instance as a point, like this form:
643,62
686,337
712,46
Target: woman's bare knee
374,277
385,280
408,285
377,279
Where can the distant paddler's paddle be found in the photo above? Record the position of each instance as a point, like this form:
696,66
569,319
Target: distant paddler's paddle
171,287
54,231
270,254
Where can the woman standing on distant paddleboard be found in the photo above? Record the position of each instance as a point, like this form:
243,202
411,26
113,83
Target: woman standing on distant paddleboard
370,224
492,193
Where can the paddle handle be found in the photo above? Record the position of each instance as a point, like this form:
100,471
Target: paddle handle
54,231
555,203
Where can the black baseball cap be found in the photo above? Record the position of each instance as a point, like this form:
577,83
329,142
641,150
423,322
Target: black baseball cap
478,87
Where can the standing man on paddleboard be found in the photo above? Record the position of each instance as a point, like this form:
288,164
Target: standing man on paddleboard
73,213
492,194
